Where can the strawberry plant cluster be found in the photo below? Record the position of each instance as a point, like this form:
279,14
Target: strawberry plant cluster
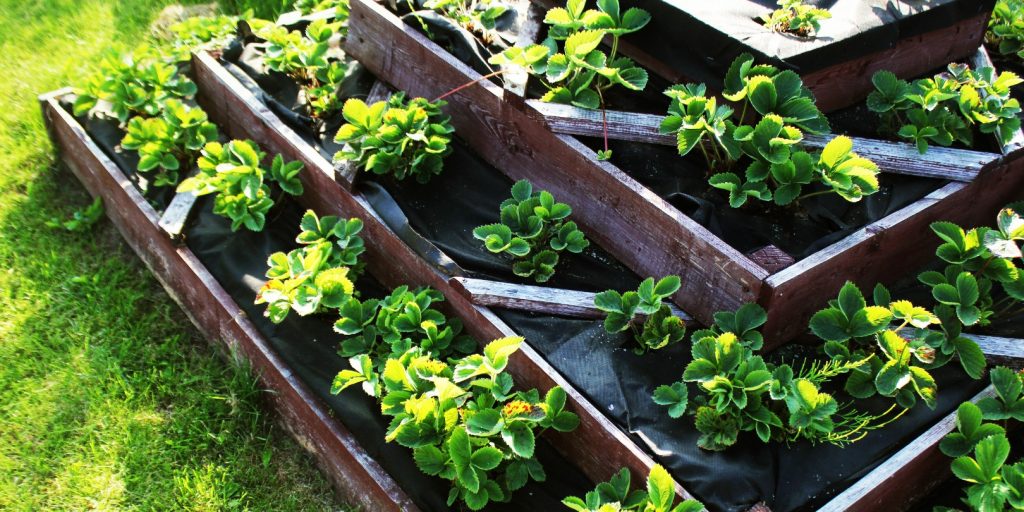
479,17
203,33
320,274
579,72
135,83
982,278
169,141
980,447
776,111
947,107
1006,28
779,110
796,17
652,322
741,392
534,229
398,137
615,495
303,56
234,171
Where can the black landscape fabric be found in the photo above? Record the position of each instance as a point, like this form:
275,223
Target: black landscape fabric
788,478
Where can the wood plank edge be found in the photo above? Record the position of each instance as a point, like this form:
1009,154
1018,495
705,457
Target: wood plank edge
228,325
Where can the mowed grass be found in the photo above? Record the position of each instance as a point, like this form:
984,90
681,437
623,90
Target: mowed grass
109,398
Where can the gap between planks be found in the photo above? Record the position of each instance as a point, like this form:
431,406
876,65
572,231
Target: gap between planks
537,299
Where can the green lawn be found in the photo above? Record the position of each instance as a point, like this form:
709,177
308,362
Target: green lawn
109,398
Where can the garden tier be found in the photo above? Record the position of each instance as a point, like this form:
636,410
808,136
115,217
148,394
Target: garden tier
696,40
466,175
650,234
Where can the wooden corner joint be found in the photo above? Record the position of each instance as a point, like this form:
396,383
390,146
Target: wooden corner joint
771,258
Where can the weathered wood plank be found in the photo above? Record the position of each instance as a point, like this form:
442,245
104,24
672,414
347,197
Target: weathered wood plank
892,157
354,473
866,256
1004,351
982,59
906,476
771,258
636,226
598,447
176,215
537,299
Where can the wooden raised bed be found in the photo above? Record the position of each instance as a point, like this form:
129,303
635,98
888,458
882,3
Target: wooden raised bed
600,446
650,235
836,84
357,477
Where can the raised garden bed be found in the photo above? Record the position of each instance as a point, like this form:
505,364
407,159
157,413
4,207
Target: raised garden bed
862,37
647,232
253,117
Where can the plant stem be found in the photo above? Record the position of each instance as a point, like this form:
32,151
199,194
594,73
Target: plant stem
615,48
463,86
812,194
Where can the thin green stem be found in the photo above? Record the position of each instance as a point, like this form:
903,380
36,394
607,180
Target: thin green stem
463,86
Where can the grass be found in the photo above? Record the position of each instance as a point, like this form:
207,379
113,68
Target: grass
109,399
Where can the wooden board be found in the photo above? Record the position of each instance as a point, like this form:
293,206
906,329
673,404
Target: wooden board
648,234
598,447
906,476
848,82
636,226
357,477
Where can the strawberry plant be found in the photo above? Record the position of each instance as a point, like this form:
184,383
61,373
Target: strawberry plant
981,280
1006,28
947,107
317,276
133,83
303,57
234,172
377,330
479,17
203,33
896,340
463,420
615,495
397,137
533,231
776,168
652,322
168,142
995,485
796,17
741,392
341,10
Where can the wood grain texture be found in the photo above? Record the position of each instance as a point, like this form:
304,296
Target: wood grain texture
771,258
904,477
176,215
891,157
868,256
598,447
537,299
1003,351
358,478
639,228
848,83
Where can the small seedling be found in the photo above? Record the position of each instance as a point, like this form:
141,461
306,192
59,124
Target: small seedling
615,495
304,58
318,276
132,83
396,137
533,231
652,322
234,172
81,219
796,17
170,141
